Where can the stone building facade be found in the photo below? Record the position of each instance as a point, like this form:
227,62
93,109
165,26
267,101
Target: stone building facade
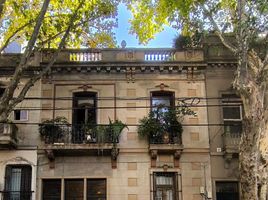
96,86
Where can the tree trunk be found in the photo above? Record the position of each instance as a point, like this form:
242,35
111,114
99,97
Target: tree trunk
263,192
250,83
248,159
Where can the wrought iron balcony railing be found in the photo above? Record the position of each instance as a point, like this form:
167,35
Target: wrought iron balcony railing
16,195
231,140
166,138
79,134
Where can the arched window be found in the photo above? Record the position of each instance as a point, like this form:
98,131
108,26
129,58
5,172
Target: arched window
18,180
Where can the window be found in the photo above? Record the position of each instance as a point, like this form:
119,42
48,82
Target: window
227,190
74,189
18,180
52,189
232,114
84,112
21,115
165,186
84,104
96,189
164,98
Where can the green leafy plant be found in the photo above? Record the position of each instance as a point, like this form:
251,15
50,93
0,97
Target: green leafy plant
150,125
115,129
164,122
53,130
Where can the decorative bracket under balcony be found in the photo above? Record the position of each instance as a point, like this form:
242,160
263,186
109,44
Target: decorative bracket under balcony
231,146
154,152
62,149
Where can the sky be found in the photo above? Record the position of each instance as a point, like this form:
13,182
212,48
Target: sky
163,39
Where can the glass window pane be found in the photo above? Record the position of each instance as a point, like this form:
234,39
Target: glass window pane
165,186
163,98
18,182
52,189
231,112
23,114
74,189
234,127
86,102
96,189
15,179
163,180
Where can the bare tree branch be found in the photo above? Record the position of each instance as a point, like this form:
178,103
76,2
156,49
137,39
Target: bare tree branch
9,92
33,80
218,31
13,34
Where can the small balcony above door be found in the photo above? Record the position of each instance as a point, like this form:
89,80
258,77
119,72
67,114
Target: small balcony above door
8,136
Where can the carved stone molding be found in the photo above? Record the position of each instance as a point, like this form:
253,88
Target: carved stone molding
51,157
177,156
114,155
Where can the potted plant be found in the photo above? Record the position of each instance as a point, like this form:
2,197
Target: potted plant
54,130
89,130
172,126
114,129
150,126
163,125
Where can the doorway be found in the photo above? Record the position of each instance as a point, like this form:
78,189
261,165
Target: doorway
84,114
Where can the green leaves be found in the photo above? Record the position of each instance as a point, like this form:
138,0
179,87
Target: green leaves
189,16
19,17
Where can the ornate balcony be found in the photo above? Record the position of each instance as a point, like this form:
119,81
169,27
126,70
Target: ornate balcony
71,138
8,136
231,142
166,144
74,140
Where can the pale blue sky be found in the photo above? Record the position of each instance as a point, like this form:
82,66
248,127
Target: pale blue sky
163,39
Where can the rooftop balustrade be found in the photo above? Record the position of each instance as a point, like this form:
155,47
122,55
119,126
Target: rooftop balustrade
124,55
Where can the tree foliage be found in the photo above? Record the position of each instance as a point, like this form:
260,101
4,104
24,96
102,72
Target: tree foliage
246,21
50,23
95,16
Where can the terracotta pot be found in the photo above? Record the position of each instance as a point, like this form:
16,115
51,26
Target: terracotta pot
165,138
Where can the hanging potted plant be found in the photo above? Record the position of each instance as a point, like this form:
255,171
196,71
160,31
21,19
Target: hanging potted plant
54,130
